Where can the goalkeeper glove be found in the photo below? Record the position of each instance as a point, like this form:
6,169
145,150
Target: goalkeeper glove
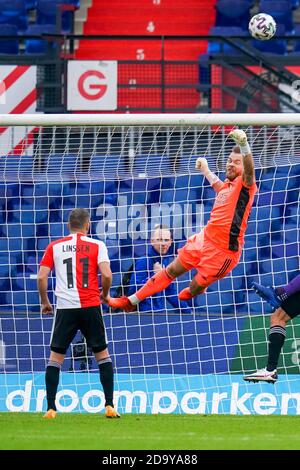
240,138
202,165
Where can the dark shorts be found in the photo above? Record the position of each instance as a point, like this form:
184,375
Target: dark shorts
291,305
68,321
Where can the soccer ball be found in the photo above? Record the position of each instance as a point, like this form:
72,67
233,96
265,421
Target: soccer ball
262,26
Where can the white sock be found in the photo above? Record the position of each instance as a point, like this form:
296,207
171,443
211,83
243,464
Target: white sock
133,299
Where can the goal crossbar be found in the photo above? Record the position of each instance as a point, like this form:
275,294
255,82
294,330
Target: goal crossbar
262,119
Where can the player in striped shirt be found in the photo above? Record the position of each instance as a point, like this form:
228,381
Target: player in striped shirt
216,250
77,259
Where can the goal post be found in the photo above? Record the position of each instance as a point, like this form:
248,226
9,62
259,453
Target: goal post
135,172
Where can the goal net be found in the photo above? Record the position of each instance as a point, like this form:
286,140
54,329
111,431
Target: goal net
134,173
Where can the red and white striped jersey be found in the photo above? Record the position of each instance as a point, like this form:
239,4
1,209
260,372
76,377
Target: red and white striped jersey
75,259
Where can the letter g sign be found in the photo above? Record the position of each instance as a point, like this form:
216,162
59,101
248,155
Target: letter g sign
92,85
85,89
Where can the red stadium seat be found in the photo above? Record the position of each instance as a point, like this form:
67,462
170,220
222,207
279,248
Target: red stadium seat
114,18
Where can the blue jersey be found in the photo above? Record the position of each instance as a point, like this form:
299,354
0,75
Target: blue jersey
143,270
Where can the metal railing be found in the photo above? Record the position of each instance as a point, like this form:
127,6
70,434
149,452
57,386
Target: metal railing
244,80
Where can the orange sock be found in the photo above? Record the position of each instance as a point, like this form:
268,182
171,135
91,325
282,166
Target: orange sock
155,284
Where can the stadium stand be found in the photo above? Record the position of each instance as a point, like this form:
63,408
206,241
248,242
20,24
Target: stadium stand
29,220
114,18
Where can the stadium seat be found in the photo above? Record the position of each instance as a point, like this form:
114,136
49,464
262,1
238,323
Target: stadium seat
296,43
39,46
27,214
56,230
18,167
204,73
9,46
42,243
292,264
26,171
47,11
281,11
233,13
273,46
4,265
14,12
220,46
3,245
61,166
294,4
30,4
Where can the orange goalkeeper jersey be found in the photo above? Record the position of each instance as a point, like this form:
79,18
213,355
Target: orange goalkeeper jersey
229,216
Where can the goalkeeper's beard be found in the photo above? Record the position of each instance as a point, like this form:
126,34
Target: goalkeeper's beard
232,174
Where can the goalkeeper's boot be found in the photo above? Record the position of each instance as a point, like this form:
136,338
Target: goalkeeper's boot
186,294
123,303
50,414
110,412
268,294
262,375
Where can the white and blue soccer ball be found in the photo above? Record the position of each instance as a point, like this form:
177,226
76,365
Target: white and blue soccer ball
262,26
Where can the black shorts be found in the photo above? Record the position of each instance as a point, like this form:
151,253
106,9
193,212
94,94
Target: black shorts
68,321
291,305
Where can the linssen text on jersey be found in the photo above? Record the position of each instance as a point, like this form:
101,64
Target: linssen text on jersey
75,259
75,248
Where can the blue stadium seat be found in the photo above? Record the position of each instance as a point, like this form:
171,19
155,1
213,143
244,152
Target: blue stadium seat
281,11
273,46
295,170
4,265
41,214
9,46
139,248
18,167
294,4
61,167
14,12
56,230
98,164
10,168
83,201
3,245
226,31
47,11
42,243
30,4
53,189
81,188
292,264
233,13
18,300
27,215
297,41
204,73
39,46
33,300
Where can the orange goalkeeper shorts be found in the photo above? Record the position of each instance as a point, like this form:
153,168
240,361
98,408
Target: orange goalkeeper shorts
211,262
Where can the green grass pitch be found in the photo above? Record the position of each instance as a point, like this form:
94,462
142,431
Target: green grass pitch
148,432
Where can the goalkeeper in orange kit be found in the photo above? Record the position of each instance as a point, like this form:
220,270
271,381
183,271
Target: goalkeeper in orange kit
216,250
